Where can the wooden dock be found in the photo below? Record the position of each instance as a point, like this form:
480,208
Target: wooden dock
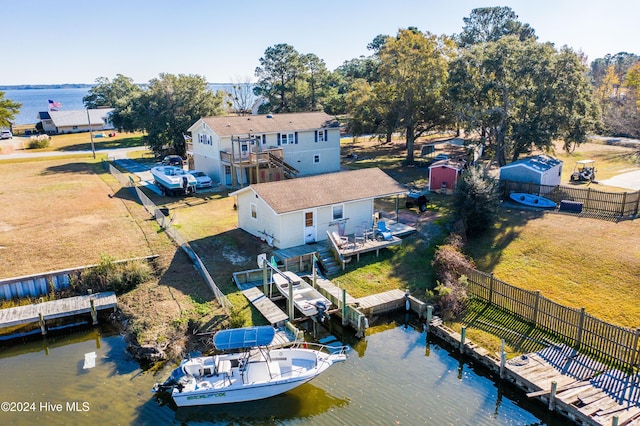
267,308
61,308
583,390
382,302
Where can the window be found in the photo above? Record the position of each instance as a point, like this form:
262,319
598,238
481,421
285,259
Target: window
337,211
321,135
254,211
316,158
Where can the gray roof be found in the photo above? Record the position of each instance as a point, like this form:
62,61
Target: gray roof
321,190
270,123
79,117
540,163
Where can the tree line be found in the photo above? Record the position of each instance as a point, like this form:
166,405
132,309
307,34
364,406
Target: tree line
494,80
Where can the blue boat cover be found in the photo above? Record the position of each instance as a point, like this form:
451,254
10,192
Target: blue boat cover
242,338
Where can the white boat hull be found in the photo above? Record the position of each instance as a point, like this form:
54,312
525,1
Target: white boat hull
229,378
174,178
305,298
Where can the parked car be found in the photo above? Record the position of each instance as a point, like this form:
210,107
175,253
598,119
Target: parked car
6,134
173,160
203,181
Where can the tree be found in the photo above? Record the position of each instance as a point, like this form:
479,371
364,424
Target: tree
279,70
170,105
476,200
241,96
317,78
120,94
8,110
522,94
413,82
486,24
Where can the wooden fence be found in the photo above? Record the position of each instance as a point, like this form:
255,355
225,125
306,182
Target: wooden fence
615,205
614,344
165,224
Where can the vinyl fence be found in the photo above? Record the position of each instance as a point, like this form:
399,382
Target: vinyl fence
596,203
165,223
589,334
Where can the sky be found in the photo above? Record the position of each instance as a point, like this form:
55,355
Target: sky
71,41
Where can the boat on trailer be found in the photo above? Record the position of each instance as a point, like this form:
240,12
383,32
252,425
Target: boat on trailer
174,180
249,368
532,200
306,299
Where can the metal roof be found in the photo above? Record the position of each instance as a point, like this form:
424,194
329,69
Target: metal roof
243,338
539,163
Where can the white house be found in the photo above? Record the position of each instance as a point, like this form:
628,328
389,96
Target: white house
75,121
240,150
540,169
294,212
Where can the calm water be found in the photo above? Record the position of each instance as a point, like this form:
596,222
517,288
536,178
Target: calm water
35,100
392,377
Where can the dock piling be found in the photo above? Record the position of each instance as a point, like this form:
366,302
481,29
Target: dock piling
552,397
43,325
94,312
463,335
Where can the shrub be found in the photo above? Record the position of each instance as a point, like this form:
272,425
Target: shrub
118,277
476,200
40,141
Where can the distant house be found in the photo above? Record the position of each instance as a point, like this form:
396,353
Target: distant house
540,169
444,174
294,212
75,121
241,150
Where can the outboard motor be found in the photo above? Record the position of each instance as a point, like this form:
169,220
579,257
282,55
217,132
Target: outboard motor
185,184
322,309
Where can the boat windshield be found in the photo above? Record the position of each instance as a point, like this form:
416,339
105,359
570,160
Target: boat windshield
242,338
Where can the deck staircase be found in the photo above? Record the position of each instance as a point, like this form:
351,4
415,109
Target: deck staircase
289,171
328,262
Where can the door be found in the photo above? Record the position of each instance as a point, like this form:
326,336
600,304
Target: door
309,227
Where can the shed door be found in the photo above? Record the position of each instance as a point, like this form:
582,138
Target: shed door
309,227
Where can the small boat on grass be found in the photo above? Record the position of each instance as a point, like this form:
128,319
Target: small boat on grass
532,200
306,299
174,180
249,369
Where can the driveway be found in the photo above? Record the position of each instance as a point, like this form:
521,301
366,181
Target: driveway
629,180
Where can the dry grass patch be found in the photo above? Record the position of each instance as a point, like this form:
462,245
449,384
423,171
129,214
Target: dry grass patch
578,262
61,213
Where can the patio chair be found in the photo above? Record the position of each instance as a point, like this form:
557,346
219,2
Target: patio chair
358,235
383,231
341,242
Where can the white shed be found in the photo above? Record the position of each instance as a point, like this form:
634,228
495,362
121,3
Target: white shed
540,169
297,211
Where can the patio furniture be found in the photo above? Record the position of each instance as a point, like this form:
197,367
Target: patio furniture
358,235
341,242
384,232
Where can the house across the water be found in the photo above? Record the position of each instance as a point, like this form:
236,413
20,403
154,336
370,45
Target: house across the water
76,121
241,150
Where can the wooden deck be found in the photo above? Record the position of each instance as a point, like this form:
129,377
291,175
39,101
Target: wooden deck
56,309
267,308
327,288
585,389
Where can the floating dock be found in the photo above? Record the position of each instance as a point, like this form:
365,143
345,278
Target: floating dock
61,308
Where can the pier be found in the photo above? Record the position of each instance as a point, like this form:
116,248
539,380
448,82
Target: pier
582,390
41,312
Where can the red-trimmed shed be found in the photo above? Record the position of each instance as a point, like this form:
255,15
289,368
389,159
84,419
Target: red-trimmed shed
443,175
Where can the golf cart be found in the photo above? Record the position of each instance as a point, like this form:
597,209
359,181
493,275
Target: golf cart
585,171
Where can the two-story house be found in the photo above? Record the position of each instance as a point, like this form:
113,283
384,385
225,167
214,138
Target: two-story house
241,150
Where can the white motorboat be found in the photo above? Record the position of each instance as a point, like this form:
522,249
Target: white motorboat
174,180
306,299
250,368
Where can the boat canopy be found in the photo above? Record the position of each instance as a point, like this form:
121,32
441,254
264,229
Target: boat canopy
243,338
